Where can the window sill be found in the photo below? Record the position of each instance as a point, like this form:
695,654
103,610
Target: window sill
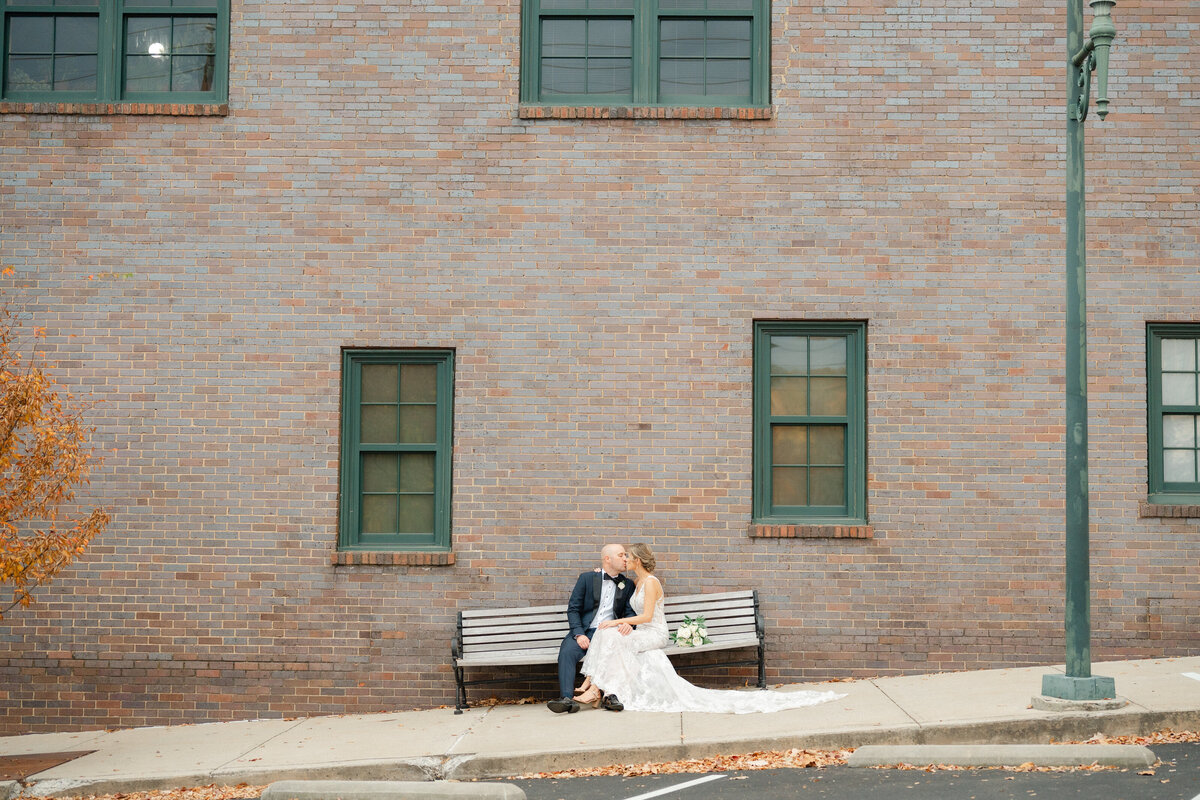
1148,509
112,109
643,112
391,558
818,531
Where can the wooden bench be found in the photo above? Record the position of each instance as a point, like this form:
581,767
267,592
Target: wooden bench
505,637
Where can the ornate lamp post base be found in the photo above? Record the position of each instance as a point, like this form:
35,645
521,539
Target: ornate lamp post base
1066,687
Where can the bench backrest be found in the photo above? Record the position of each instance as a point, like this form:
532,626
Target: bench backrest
728,615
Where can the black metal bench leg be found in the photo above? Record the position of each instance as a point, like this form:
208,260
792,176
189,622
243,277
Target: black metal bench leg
762,665
462,691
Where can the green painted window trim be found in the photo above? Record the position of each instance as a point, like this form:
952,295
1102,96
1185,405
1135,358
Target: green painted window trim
352,449
855,510
1160,491
646,15
111,15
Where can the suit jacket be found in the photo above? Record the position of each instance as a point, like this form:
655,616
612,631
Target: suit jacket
585,599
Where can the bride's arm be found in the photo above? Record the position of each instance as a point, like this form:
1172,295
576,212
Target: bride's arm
652,594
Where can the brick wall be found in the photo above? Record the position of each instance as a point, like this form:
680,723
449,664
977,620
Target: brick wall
373,184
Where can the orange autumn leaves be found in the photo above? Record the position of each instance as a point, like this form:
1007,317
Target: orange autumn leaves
44,457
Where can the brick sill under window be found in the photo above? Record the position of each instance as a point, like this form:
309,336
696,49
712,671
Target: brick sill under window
643,112
1147,509
114,109
391,558
816,531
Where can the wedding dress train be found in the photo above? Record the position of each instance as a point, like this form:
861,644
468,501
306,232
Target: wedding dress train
638,672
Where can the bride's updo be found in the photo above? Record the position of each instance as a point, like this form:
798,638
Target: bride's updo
642,553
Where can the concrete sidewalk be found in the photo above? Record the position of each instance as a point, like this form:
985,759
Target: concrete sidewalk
981,707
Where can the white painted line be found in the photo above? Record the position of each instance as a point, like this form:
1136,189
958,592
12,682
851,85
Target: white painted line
1196,677
679,786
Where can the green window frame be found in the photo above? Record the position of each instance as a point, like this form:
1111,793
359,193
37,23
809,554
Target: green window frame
712,53
1173,405
107,51
397,423
809,423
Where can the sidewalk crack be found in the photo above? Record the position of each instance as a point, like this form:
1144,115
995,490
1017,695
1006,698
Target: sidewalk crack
259,745
892,700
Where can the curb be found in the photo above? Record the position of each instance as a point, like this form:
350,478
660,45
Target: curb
9,789
1129,756
390,790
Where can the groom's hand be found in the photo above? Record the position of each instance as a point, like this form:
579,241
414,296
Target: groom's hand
583,641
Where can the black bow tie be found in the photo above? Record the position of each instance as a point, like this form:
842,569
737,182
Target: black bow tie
613,578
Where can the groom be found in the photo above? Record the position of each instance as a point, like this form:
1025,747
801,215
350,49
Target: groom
597,597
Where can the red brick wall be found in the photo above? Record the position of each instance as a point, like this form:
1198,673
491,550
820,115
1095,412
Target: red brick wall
374,185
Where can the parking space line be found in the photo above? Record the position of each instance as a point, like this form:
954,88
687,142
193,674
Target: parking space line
678,787
1194,677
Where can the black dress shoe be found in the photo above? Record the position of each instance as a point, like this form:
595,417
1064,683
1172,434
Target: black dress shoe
563,705
611,703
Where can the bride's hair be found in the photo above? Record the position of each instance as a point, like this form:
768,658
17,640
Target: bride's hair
642,553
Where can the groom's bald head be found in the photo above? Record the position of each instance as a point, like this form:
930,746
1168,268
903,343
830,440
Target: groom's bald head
612,558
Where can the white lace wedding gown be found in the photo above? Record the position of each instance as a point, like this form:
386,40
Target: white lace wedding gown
638,672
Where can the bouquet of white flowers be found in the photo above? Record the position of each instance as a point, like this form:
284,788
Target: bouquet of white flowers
692,633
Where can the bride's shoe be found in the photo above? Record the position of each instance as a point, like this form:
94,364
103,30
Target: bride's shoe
591,697
587,684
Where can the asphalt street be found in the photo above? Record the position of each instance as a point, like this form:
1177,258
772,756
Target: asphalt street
1176,778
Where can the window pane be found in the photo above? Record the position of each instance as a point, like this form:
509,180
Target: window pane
418,383
30,73
681,77
564,38
828,356
380,383
684,4
194,36
416,513
379,513
31,35
418,424
380,472
147,74
564,76
728,38
731,5
789,355
192,73
75,73
681,38
609,38
76,35
1179,390
828,445
1179,466
789,444
609,76
829,397
416,472
828,486
610,4
789,396
1179,430
564,4
1179,355
379,425
728,77
789,486
148,36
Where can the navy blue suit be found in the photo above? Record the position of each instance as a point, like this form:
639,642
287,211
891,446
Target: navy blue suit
581,608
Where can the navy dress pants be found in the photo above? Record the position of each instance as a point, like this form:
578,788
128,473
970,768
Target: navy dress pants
569,656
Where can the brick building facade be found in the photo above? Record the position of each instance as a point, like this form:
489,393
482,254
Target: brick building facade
208,270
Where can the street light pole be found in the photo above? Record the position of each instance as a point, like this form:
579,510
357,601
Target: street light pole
1078,683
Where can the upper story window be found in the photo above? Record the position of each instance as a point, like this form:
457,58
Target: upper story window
142,51
646,52
1173,378
809,422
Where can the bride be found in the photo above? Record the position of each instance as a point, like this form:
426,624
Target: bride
629,668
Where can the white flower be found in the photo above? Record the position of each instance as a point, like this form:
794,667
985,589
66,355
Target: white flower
697,640
621,585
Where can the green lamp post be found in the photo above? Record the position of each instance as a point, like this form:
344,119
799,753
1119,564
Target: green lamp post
1078,684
